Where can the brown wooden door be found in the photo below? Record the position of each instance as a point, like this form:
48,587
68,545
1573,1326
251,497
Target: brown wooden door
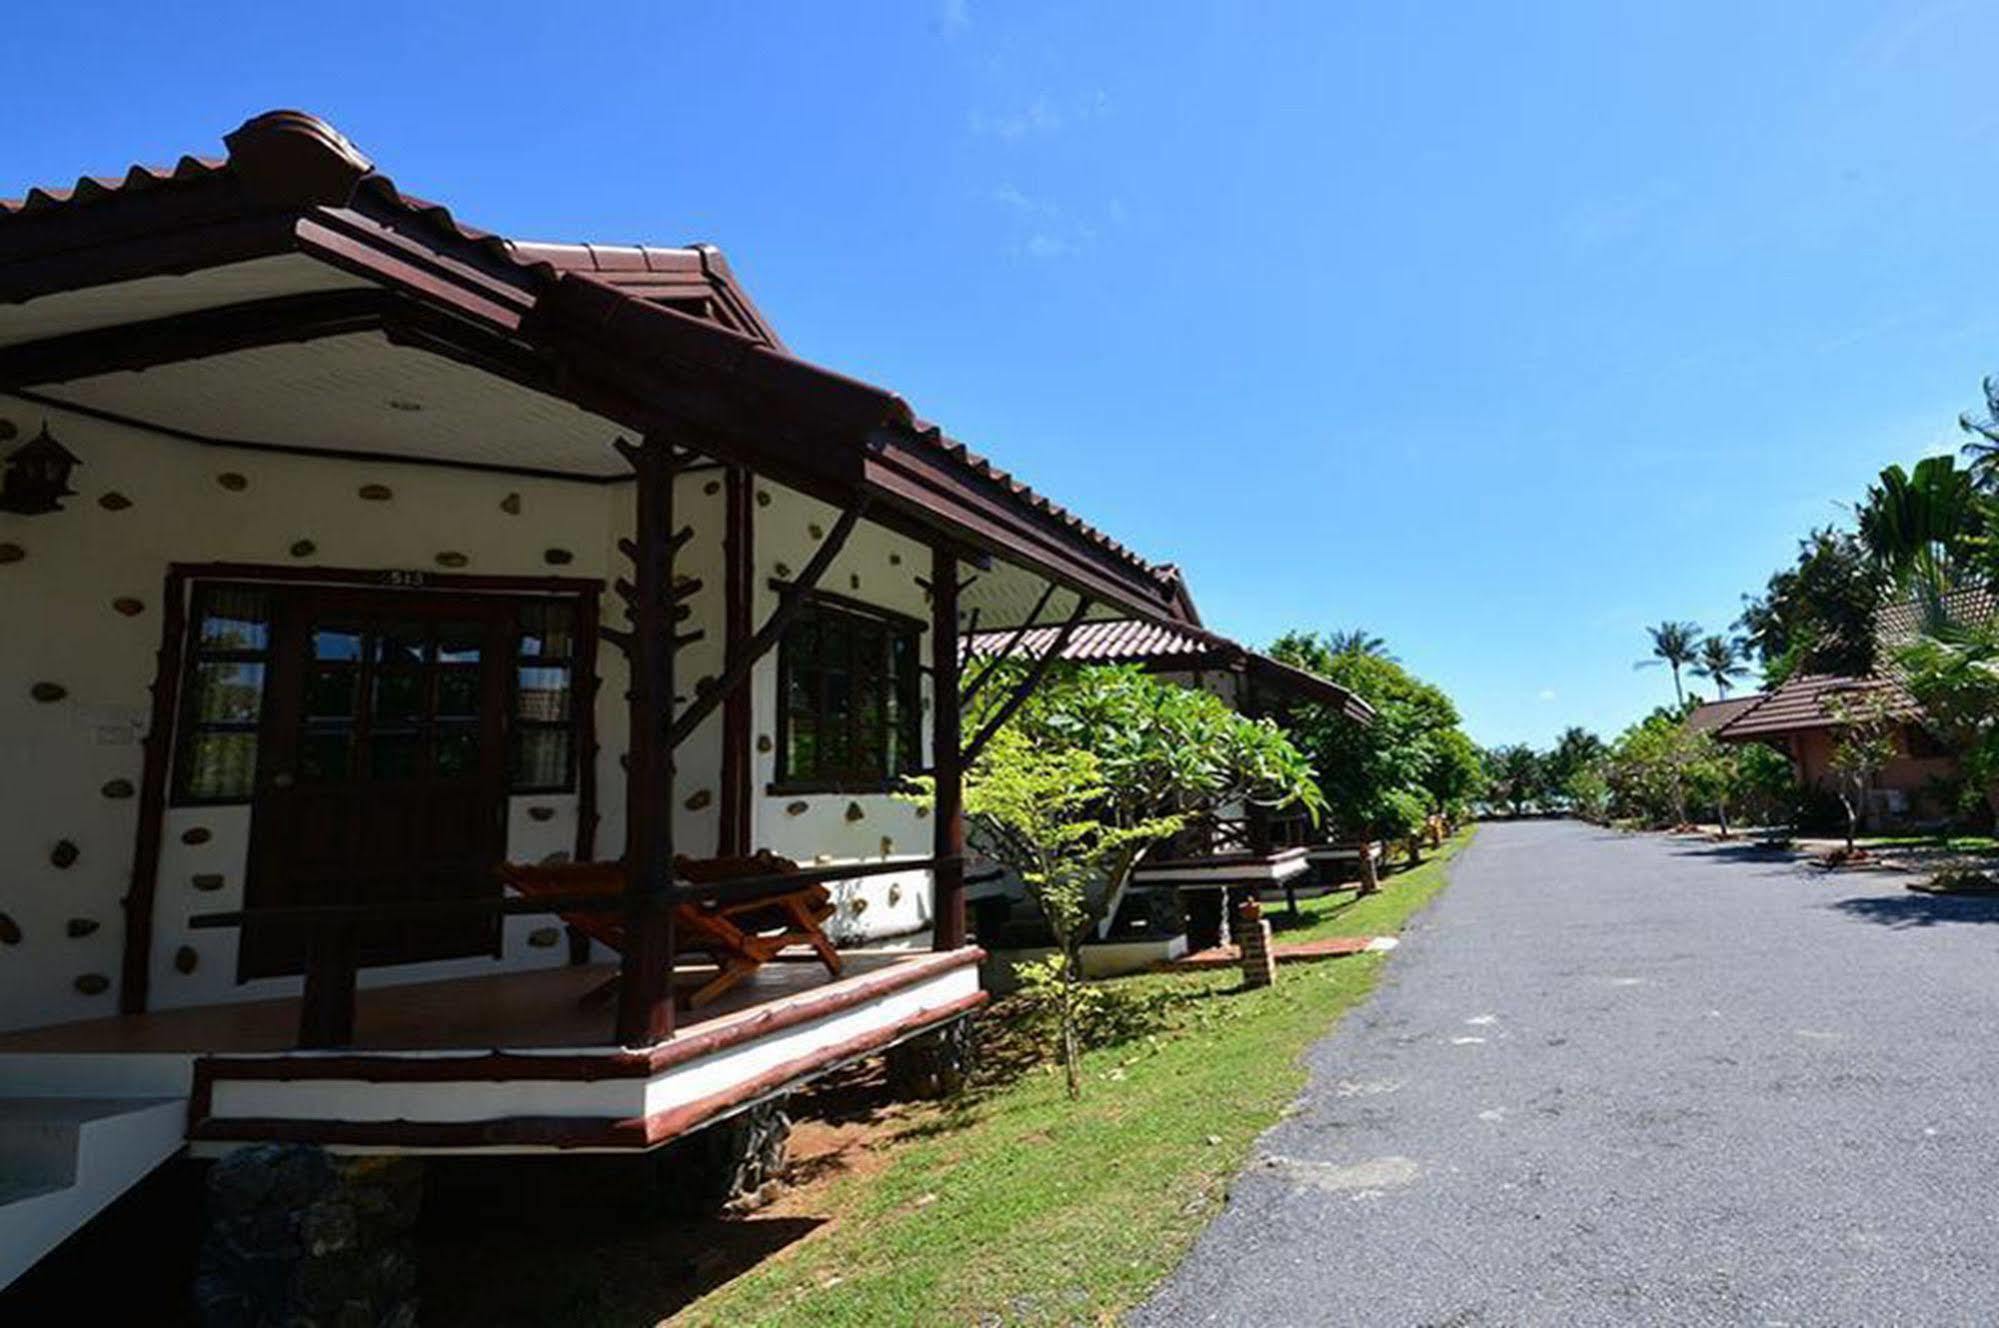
384,771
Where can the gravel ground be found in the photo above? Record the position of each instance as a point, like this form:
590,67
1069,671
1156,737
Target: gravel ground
1631,1079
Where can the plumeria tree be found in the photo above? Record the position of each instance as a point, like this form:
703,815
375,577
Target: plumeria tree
1866,725
1383,779
1097,768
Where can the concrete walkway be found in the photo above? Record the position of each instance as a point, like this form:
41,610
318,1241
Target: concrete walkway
1615,1080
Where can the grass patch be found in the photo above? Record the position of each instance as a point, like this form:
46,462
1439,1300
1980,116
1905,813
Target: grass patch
1016,1206
1346,913
1984,845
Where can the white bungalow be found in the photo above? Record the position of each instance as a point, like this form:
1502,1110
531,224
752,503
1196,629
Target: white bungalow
317,497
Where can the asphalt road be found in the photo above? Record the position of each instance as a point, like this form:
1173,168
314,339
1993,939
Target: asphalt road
1637,1080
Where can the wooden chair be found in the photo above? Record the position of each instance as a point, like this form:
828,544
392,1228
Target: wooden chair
740,935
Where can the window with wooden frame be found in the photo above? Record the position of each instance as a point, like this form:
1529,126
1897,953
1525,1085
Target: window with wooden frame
849,699
235,657
229,660
544,718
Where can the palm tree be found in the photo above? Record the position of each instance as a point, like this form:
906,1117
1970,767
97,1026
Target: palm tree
1357,641
1720,663
1673,643
1982,452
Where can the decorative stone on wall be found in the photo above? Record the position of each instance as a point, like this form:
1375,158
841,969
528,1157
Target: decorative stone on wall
797,808
452,558
712,487
699,799
895,560
208,882
118,788
92,984
64,855
815,530
763,497
186,959
303,549
783,571
77,928
12,553
764,744
511,504
855,811
541,813
196,834
48,692
10,930
541,938
128,606
113,501
233,481
558,557
376,493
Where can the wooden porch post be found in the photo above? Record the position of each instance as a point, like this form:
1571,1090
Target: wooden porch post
645,987
739,572
948,876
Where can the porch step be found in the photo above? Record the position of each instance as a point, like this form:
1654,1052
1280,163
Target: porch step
62,1159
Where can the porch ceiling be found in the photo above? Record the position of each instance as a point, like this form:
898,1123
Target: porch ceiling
149,298
359,393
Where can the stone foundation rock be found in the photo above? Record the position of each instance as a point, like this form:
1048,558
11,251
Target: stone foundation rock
933,1065
300,1238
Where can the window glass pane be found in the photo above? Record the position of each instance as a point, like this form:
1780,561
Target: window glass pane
398,694
329,692
548,631
228,693
324,755
460,642
400,643
457,692
235,620
336,643
395,755
457,749
801,758
543,693
541,758
221,765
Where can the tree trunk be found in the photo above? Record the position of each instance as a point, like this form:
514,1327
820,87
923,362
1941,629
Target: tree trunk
1369,882
1072,1044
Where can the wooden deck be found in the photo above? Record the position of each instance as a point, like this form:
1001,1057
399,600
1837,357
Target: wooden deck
544,1008
514,1062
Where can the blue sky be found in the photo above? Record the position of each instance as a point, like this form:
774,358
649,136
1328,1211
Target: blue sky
1500,330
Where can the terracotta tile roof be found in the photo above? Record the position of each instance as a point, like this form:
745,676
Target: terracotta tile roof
1117,641
1799,705
1131,641
1716,714
90,188
645,273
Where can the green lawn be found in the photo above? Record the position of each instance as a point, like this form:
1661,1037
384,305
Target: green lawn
1018,1206
1345,913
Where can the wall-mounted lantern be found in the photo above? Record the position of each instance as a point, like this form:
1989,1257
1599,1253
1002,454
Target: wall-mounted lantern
37,476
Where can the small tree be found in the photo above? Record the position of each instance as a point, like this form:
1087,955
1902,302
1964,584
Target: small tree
1866,726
